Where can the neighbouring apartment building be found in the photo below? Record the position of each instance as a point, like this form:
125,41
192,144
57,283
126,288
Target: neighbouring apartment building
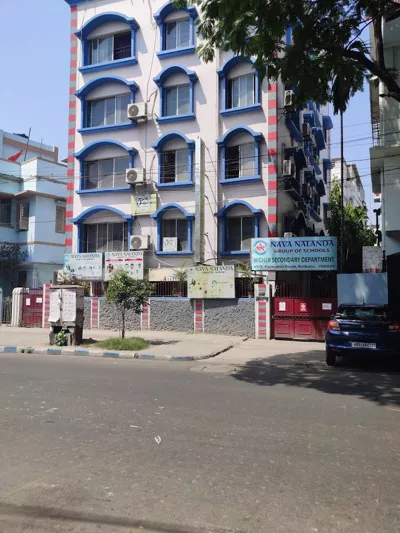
12,143
184,159
353,187
32,216
385,153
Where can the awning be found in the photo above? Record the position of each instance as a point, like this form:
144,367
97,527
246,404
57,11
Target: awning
321,188
327,122
319,138
327,164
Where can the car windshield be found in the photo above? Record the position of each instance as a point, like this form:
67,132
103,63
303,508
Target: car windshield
363,313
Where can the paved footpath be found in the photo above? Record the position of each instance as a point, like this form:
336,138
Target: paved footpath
173,345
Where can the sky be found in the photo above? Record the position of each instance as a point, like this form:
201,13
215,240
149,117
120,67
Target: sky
34,67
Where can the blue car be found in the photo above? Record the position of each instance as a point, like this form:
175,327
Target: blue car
361,329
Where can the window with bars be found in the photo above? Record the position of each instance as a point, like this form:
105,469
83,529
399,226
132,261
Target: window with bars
175,166
177,228
5,210
106,237
239,161
177,34
23,216
60,219
107,111
111,48
241,91
239,232
176,100
105,173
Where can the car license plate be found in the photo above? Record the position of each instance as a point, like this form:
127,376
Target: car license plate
370,345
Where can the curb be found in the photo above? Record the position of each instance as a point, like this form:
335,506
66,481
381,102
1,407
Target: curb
97,353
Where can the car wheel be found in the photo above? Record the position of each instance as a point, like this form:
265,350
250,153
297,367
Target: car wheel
330,358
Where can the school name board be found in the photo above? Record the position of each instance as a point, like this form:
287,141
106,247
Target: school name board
86,267
130,262
211,282
294,253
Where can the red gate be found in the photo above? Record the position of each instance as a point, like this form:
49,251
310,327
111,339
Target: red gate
32,308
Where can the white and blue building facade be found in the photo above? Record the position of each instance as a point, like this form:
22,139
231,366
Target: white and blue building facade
32,216
212,147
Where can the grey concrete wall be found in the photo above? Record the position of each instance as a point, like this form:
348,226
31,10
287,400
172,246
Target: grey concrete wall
230,317
87,313
110,317
175,314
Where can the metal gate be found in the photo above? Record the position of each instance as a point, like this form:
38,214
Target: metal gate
301,309
32,308
6,310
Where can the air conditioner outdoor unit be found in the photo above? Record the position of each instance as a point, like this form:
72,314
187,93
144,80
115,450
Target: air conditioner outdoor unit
288,168
288,235
306,130
140,242
288,99
134,176
135,111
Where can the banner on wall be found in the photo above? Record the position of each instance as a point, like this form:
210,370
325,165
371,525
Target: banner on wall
143,204
372,259
294,253
211,281
85,267
131,262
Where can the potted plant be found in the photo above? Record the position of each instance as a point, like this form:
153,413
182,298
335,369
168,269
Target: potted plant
245,271
180,277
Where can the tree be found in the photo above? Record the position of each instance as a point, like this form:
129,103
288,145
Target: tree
356,232
11,256
328,59
128,293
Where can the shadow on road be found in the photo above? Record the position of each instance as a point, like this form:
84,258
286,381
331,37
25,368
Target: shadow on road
35,512
370,379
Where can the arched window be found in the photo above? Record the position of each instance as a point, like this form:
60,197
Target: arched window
239,153
104,102
239,222
103,166
240,86
103,229
177,31
174,230
108,41
175,160
176,84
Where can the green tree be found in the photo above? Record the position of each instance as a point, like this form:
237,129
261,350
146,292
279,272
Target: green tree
328,59
11,256
356,232
128,293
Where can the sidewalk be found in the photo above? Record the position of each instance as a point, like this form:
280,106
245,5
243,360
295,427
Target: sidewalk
164,344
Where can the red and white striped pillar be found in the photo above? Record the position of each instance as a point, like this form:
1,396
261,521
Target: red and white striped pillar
145,317
71,130
46,305
261,312
272,208
199,316
94,313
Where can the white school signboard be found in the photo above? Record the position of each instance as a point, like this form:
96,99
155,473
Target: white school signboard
211,282
131,262
294,253
87,267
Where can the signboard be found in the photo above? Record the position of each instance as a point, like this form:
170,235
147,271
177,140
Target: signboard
131,262
144,204
294,253
84,266
372,259
55,300
211,282
68,305
170,244
162,274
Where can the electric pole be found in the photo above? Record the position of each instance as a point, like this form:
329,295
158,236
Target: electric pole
341,194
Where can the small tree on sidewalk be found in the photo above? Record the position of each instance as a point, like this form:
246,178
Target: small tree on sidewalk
127,293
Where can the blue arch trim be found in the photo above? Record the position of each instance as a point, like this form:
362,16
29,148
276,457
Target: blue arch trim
170,136
222,143
95,145
79,221
223,74
160,17
160,80
158,215
103,18
222,216
102,80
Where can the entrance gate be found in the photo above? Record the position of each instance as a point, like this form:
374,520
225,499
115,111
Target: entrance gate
32,306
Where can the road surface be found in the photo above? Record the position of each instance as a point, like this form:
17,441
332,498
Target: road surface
99,445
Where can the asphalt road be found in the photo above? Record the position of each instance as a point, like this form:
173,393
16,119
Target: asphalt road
94,445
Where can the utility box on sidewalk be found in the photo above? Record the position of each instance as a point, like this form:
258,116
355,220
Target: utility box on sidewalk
66,312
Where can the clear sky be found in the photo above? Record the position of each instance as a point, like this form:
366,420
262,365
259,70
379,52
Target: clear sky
34,67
